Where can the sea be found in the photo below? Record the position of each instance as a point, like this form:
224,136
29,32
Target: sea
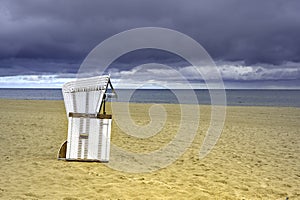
234,97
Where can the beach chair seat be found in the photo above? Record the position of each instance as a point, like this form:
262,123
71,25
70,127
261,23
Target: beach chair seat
88,130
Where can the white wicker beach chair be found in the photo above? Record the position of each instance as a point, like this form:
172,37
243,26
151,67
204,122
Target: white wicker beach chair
88,130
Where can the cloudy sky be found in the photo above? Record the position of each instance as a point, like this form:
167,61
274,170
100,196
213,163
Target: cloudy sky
255,44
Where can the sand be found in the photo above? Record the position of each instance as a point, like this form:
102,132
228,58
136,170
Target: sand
256,157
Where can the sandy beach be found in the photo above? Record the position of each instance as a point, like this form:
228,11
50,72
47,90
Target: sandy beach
256,157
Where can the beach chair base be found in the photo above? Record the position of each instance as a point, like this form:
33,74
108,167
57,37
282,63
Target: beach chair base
86,160
61,155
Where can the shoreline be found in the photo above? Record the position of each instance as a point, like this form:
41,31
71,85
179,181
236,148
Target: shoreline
55,100
277,98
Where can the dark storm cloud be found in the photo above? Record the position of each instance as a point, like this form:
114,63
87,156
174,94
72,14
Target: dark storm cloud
56,35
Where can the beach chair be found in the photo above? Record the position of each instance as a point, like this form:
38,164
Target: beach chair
88,130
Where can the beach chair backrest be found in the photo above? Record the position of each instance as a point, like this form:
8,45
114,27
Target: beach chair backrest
85,95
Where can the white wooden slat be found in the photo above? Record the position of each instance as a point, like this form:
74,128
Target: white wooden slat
69,140
74,138
105,137
83,146
93,139
108,139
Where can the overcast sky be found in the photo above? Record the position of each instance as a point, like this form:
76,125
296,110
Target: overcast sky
255,44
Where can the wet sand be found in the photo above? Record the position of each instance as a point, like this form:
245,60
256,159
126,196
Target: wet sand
256,157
